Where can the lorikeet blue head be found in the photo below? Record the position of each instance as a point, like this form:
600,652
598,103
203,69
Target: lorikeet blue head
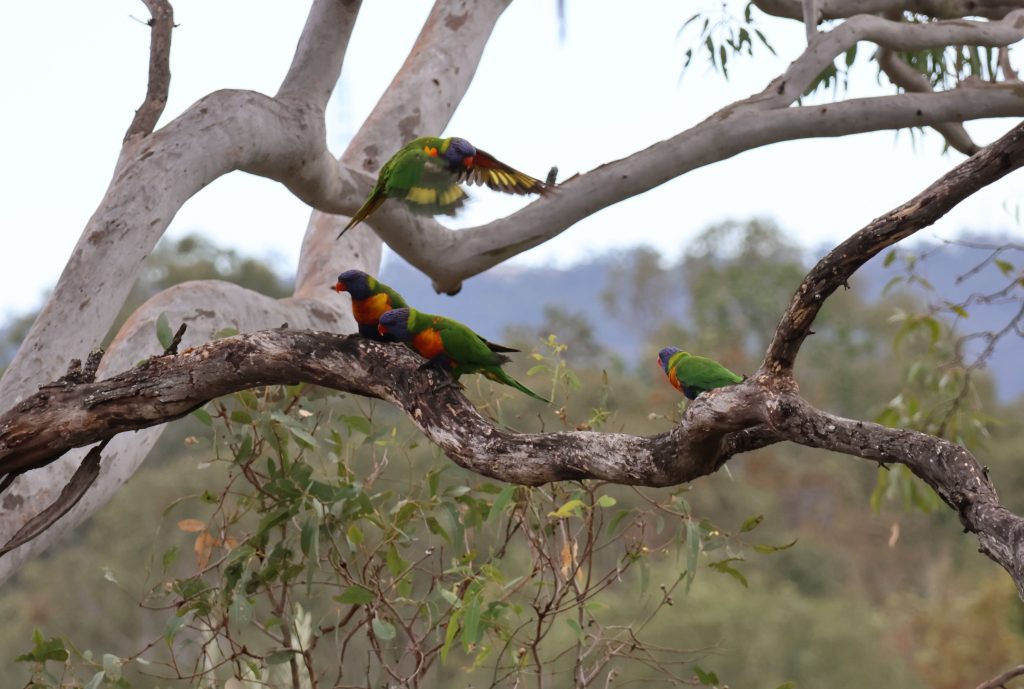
666,354
355,282
395,323
459,154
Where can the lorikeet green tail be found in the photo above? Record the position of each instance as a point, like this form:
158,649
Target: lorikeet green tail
692,375
449,345
371,298
425,174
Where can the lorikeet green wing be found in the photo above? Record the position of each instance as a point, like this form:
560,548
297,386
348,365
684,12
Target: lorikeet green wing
450,345
694,375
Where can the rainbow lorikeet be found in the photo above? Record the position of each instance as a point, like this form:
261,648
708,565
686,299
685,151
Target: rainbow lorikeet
449,345
692,375
425,173
371,298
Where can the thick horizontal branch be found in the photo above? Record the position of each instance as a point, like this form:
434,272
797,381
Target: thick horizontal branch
938,9
949,469
449,257
59,418
825,47
836,268
754,413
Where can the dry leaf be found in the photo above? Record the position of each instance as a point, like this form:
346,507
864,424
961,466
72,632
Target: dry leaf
894,534
205,543
191,525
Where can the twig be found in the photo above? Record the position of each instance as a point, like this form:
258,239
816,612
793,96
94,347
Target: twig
83,477
1000,680
161,23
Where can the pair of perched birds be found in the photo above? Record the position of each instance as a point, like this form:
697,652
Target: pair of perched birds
382,314
425,174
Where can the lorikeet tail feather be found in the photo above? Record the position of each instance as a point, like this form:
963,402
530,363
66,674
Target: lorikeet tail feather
499,376
371,204
495,347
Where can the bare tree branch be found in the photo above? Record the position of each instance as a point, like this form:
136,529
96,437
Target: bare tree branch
1000,680
939,9
826,47
949,469
162,23
449,257
319,54
753,413
909,79
168,387
835,269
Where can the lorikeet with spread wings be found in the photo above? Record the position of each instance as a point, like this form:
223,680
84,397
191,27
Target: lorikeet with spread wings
425,173
692,375
449,345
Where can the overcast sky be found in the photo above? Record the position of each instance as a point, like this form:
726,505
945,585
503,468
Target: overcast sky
72,74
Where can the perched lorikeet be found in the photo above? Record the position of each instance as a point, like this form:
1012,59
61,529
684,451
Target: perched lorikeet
425,173
449,345
692,375
370,299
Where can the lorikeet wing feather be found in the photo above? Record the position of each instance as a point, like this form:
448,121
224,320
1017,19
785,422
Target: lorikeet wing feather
425,184
495,347
486,169
453,346
700,374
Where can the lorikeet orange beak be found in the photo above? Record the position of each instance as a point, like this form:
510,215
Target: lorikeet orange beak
339,286
382,329
468,161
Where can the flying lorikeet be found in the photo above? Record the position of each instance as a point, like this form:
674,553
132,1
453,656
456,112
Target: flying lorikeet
425,173
371,298
449,345
692,375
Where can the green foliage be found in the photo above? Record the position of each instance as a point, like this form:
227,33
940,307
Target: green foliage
722,35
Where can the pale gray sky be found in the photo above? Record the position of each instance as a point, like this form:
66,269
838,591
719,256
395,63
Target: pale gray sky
72,74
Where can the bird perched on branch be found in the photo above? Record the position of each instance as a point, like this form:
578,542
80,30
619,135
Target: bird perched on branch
371,298
449,345
692,375
426,172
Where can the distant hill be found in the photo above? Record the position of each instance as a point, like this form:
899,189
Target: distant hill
511,295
